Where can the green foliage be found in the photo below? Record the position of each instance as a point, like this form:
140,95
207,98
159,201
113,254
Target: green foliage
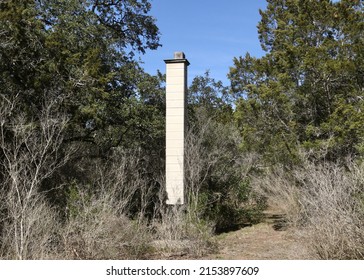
80,56
210,95
307,89
82,52
238,203
77,200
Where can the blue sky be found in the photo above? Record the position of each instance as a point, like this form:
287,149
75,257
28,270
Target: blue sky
210,32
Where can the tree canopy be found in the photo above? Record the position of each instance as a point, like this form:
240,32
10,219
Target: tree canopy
81,53
307,90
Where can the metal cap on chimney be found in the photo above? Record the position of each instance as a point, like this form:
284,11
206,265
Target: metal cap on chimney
179,55
178,58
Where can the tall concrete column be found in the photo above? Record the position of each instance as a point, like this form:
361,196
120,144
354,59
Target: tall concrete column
176,101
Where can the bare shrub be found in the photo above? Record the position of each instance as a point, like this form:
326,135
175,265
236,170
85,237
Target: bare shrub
38,240
333,206
176,233
325,202
125,179
29,153
101,222
100,232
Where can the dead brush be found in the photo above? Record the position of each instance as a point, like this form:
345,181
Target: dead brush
331,197
324,202
176,234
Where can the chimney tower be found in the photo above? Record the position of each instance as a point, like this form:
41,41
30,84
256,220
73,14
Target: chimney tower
176,115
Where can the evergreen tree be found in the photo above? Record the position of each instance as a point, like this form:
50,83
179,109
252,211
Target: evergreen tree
211,96
80,56
82,53
307,91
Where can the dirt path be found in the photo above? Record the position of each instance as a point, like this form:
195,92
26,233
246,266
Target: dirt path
269,240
